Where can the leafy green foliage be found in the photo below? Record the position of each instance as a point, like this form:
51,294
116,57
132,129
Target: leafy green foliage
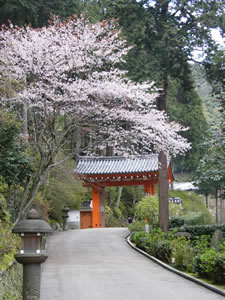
163,43
138,237
63,189
211,171
192,218
212,264
174,210
158,245
137,226
15,164
4,215
130,196
185,107
114,217
154,243
182,253
43,206
9,87
214,65
193,203
211,105
201,243
8,241
199,230
36,13
148,208
176,222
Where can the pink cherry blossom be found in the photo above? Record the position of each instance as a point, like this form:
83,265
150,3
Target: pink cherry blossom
69,69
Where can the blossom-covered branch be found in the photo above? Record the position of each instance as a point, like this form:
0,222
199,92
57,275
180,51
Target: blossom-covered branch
69,68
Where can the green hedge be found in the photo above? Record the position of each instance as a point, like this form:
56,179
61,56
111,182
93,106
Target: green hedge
193,255
137,226
176,222
199,230
192,218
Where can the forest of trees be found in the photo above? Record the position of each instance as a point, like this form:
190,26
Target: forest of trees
161,39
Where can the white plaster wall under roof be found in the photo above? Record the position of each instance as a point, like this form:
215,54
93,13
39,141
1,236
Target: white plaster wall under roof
74,219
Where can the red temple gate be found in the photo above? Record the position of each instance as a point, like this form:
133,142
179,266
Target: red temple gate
99,172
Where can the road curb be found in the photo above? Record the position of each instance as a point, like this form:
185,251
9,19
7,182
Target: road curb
206,285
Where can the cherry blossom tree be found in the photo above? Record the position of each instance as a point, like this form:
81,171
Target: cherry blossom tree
69,79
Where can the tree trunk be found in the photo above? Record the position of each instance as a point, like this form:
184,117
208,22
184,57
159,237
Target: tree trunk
163,192
135,195
206,201
25,122
216,205
109,199
118,197
163,171
222,208
109,150
78,140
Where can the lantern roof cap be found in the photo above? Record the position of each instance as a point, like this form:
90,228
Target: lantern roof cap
33,224
65,209
33,214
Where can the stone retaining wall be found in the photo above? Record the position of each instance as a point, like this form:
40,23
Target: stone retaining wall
11,282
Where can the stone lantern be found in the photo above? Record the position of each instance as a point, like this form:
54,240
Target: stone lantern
33,232
65,216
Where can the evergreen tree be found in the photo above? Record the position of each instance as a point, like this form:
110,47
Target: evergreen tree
15,164
165,33
36,13
187,106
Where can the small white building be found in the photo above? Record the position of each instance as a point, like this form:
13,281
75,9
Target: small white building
80,219
74,219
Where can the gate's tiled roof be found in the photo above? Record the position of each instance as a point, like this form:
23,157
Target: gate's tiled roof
117,164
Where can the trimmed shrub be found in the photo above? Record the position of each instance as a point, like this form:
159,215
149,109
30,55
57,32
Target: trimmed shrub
192,218
191,255
197,268
211,264
140,239
201,244
176,222
163,250
199,230
137,226
148,208
154,243
182,254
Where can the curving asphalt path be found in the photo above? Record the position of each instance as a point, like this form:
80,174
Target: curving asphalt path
98,264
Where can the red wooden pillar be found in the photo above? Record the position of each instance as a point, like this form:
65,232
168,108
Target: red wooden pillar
102,208
152,190
95,207
149,189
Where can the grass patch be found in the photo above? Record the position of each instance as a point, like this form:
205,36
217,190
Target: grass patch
208,281
193,203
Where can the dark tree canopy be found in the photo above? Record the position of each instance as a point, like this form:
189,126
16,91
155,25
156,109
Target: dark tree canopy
36,13
15,164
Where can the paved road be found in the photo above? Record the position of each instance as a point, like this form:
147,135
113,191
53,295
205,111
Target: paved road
97,264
